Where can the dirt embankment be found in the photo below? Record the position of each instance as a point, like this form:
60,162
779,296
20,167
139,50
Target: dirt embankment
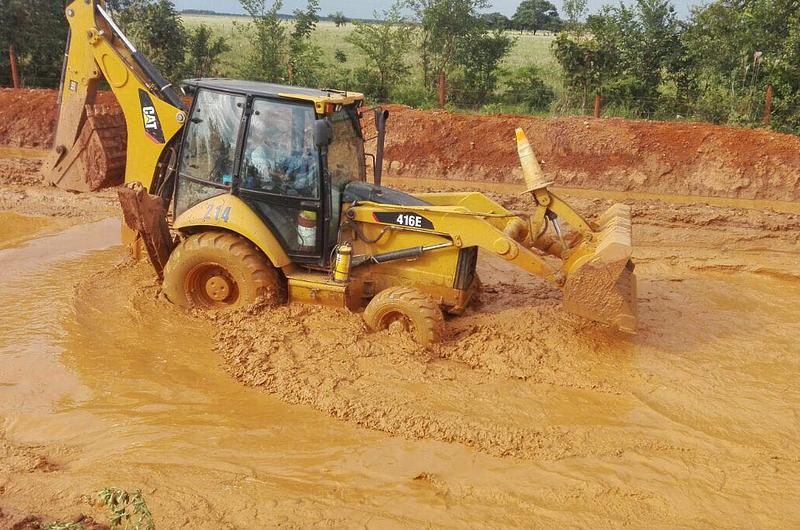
608,154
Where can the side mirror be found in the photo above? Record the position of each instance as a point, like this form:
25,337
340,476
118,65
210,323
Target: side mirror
323,132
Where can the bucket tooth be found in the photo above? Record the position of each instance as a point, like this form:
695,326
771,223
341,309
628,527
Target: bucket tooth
617,211
614,244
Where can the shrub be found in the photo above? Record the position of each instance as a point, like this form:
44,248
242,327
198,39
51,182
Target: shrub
526,88
414,95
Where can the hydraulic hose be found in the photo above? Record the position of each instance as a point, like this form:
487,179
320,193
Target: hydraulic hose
166,89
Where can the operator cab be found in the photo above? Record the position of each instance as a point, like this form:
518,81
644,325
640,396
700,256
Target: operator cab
264,143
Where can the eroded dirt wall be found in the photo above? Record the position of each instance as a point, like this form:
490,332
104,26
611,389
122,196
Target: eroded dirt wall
610,154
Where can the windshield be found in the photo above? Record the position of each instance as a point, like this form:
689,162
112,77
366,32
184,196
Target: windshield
279,154
346,152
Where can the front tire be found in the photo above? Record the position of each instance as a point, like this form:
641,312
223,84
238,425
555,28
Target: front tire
220,270
409,309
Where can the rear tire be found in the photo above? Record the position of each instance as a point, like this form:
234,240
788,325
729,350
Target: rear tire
220,270
409,308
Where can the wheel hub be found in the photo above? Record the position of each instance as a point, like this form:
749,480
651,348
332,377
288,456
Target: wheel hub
218,288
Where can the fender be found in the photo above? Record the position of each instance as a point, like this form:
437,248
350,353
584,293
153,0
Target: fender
232,213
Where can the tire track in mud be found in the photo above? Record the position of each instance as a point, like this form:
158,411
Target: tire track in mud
487,386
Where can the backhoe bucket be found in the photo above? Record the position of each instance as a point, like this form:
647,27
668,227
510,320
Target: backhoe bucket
600,283
97,158
146,215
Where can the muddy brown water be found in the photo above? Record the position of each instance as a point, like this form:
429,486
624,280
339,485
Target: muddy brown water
691,423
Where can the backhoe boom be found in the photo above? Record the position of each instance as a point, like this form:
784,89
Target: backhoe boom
152,109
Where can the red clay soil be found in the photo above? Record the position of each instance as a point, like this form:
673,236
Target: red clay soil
610,154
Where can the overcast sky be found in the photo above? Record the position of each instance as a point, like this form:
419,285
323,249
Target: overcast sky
364,9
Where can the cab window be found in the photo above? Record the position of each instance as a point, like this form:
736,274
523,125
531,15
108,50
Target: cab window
279,155
345,161
346,152
210,145
209,148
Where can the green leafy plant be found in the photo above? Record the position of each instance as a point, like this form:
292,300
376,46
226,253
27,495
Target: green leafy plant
282,51
125,511
535,15
480,59
204,51
385,43
526,88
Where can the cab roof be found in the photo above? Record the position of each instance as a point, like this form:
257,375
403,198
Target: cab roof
257,88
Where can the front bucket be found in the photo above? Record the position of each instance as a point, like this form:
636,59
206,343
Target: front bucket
600,283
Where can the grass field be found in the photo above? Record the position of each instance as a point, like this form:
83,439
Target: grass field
528,48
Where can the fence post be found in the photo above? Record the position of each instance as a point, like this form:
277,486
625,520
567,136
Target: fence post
597,105
768,105
442,91
14,70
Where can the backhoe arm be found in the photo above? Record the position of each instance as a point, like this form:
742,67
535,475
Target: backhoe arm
153,112
89,146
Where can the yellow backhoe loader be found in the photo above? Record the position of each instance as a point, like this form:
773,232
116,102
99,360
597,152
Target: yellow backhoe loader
266,191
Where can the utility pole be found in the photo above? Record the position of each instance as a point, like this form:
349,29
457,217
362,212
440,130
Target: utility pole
768,105
442,92
14,70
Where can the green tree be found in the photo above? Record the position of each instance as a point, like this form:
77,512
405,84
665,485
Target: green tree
120,7
281,52
784,75
304,56
658,48
574,11
727,77
125,11
38,31
339,19
444,26
268,59
628,54
157,31
495,20
586,61
385,43
525,87
203,52
480,57
535,15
